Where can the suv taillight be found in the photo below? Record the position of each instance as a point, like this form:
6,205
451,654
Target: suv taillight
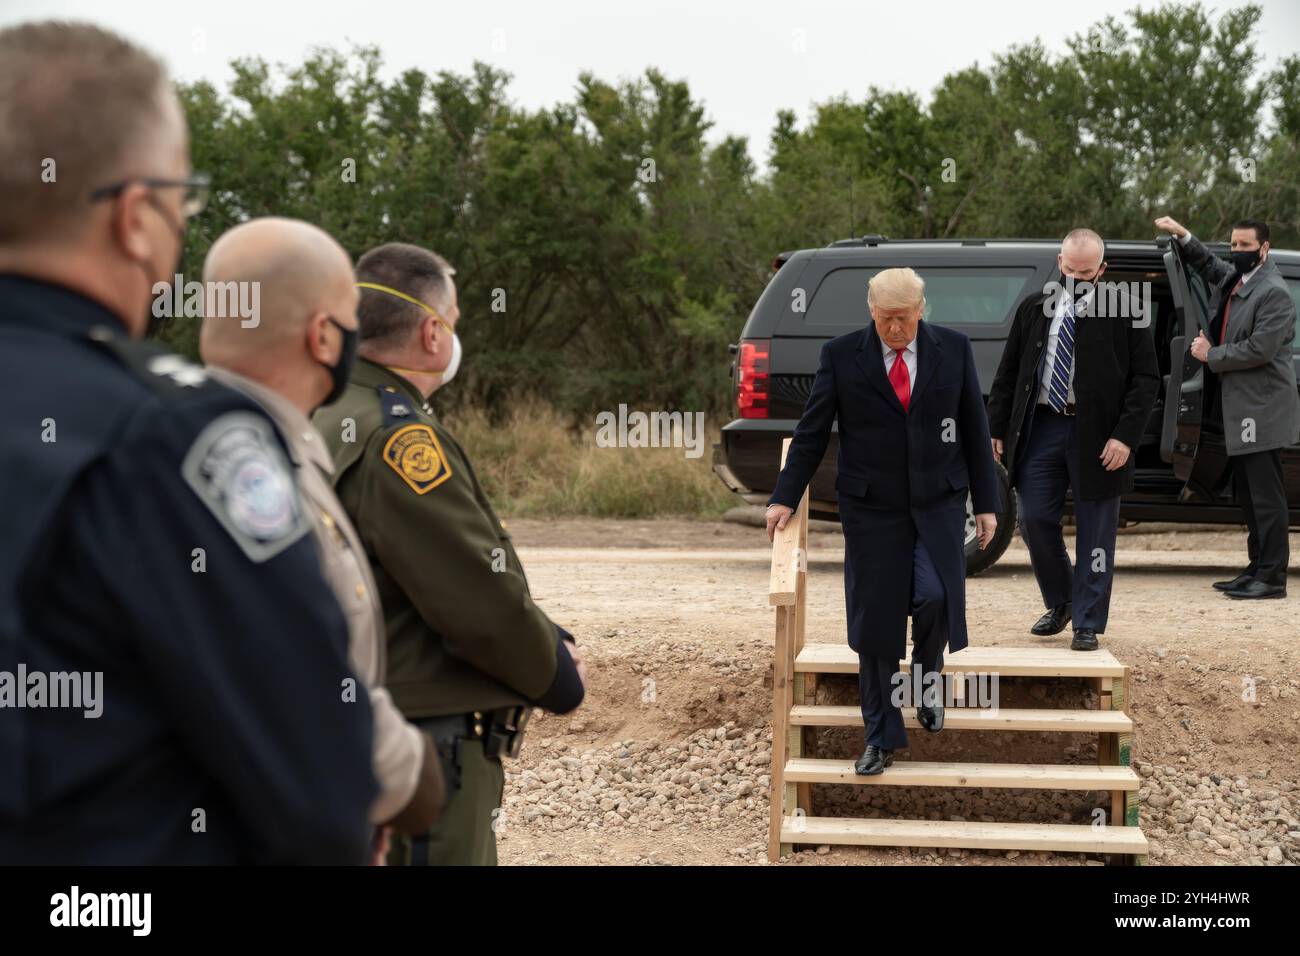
753,378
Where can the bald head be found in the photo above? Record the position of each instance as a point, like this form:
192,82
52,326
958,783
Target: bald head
301,280
1085,244
1082,255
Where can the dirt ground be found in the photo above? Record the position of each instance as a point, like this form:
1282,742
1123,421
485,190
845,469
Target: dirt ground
667,761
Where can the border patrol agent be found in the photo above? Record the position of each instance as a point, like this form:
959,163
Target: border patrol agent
469,651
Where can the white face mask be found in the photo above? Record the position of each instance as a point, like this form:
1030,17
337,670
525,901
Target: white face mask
450,371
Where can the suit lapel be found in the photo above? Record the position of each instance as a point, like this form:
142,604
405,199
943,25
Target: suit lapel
871,359
1037,332
928,356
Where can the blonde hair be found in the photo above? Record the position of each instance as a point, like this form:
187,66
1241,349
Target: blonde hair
896,289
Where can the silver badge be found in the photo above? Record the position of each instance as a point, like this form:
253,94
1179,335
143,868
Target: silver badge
238,470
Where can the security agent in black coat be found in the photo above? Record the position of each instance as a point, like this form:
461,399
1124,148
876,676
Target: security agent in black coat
152,537
903,475
1088,445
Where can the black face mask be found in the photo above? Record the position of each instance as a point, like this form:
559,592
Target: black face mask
1077,288
341,370
1245,260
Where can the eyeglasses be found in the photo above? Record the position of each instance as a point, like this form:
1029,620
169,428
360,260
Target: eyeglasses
193,200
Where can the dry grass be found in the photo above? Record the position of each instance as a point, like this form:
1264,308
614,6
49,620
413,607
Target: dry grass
537,464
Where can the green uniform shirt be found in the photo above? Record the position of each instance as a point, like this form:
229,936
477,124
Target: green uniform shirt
463,631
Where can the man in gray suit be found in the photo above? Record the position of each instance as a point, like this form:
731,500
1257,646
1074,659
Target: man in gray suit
1252,325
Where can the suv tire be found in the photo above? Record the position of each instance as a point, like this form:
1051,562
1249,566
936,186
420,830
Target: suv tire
978,561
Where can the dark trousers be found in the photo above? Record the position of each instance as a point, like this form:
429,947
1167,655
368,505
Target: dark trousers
883,721
466,833
1049,466
1261,494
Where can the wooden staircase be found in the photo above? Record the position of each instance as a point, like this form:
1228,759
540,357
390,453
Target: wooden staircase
796,716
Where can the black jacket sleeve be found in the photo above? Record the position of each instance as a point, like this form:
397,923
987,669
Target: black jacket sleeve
1141,388
811,436
565,693
1200,258
1002,392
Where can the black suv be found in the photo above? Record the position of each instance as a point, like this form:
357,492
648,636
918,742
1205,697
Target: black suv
975,285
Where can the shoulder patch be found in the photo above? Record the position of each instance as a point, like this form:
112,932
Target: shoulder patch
415,454
237,469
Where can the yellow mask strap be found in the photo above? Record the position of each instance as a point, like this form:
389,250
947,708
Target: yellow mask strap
411,299
410,371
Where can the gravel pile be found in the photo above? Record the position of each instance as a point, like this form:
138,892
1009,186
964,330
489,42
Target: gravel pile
715,779
1219,818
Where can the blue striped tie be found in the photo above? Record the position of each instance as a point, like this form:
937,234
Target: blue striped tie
1059,389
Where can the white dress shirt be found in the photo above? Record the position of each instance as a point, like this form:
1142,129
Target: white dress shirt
909,360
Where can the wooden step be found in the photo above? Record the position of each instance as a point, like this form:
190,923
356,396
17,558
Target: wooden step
1004,661
969,718
1057,837
1016,776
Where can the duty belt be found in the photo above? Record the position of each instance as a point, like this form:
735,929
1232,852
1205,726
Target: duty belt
500,730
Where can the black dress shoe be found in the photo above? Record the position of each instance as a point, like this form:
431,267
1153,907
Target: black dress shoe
1257,589
931,718
1053,622
874,760
1241,580
1085,639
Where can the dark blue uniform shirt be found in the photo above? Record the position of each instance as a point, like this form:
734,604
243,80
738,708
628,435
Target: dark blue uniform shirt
151,541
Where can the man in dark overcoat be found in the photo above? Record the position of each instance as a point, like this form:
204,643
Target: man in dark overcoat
913,443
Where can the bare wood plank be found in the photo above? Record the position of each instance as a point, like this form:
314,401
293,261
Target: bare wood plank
782,589
1056,837
801,574
781,681
1006,661
961,718
1013,776
1120,702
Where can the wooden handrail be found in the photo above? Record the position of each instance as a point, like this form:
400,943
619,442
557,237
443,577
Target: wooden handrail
788,591
788,557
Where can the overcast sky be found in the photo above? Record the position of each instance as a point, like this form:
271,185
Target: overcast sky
743,60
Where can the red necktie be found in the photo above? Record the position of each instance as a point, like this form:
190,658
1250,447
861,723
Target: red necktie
1223,332
899,379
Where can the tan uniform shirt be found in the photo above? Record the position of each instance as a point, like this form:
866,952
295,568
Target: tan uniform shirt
398,747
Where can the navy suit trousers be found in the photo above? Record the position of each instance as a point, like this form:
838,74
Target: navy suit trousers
1050,465
883,721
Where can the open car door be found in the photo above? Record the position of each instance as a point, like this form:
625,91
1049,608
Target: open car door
1181,436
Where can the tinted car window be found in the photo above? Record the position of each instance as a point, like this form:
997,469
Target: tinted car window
969,296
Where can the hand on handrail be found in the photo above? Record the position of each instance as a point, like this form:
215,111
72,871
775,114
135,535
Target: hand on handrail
777,516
